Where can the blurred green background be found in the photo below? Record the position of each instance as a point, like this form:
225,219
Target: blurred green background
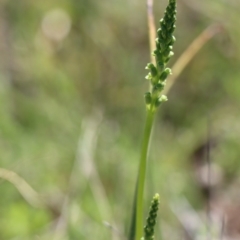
72,116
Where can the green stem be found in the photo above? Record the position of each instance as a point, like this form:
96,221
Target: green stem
142,172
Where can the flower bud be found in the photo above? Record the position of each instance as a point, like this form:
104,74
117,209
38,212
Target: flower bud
152,69
159,86
148,98
160,100
165,74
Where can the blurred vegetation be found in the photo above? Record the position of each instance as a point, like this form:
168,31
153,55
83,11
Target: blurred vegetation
72,113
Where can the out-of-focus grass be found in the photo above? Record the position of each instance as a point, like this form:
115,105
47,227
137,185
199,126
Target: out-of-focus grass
50,84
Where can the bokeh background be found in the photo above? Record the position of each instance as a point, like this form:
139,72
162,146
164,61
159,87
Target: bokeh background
72,115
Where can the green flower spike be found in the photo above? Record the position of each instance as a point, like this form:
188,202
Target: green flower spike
157,76
163,52
151,220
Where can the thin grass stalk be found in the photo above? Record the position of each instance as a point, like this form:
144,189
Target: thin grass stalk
151,28
142,172
190,53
